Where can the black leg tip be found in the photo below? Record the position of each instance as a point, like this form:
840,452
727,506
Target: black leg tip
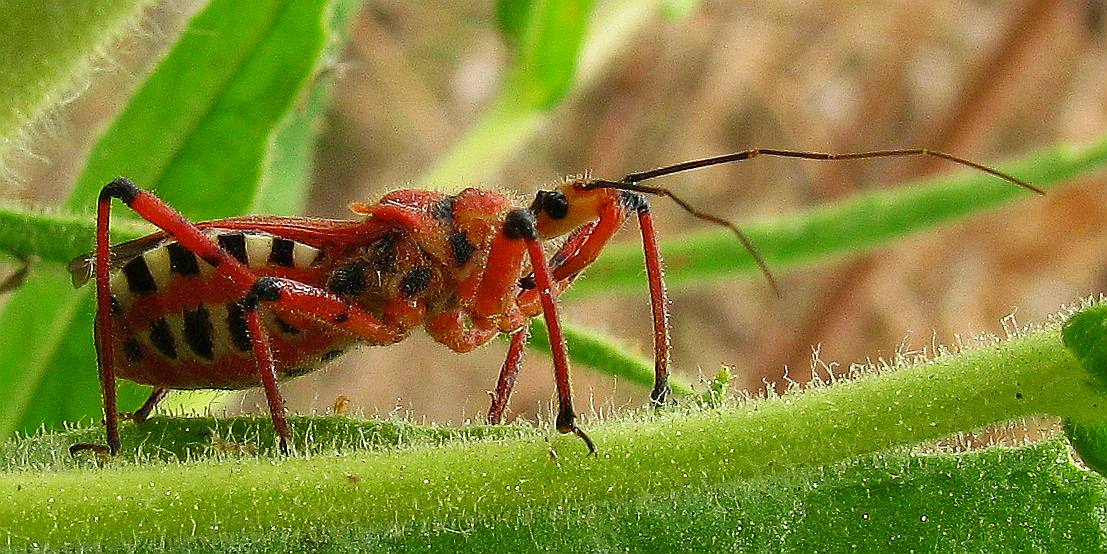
660,393
566,424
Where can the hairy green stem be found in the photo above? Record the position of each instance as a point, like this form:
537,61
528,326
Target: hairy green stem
392,491
47,49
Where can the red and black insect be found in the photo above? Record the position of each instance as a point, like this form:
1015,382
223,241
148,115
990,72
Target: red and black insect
247,301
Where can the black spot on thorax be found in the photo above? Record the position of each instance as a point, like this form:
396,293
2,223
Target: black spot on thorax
461,248
443,210
415,281
349,279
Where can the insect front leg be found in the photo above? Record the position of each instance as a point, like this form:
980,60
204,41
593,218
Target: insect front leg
510,370
265,289
520,226
589,241
659,301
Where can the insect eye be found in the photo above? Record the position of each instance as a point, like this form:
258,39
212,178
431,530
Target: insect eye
553,202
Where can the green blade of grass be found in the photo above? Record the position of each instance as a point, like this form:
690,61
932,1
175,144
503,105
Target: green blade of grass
592,349
198,131
854,225
547,36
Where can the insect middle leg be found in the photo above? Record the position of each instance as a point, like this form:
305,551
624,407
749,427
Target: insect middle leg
293,297
143,413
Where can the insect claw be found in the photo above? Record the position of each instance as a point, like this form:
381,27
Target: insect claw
660,394
103,452
588,441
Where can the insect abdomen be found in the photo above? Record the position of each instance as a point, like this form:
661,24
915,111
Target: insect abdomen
177,324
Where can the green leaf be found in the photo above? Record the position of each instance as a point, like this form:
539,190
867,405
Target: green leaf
547,36
47,49
850,226
199,132
1085,335
512,16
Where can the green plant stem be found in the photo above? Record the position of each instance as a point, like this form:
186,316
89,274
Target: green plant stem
394,491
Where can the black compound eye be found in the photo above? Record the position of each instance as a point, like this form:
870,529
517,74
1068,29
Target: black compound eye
553,202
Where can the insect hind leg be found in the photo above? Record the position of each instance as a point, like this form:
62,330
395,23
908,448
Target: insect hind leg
152,209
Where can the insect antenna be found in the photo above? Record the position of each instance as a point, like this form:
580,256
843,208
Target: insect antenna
632,182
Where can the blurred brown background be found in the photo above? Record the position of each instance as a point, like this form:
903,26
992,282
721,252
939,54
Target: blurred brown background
986,80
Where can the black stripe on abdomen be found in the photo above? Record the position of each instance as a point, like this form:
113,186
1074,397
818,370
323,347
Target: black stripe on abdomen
235,245
139,279
181,260
161,336
236,324
198,332
281,253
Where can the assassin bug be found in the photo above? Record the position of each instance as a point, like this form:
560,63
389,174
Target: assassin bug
238,302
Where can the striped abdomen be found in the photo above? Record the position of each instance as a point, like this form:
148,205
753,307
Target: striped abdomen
176,322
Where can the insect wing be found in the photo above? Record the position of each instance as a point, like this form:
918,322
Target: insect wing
324,234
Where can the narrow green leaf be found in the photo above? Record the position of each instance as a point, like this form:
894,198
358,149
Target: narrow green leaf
548,36
592,349
284,187
198,131
854,225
